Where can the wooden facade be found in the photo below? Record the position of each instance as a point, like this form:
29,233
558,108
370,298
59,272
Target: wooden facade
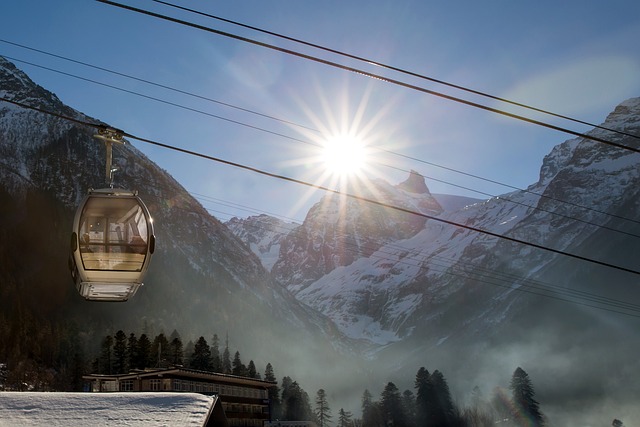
245,400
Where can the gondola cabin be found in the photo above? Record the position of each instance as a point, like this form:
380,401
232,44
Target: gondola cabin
111,245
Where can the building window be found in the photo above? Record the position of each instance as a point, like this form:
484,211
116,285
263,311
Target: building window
126,385
154,384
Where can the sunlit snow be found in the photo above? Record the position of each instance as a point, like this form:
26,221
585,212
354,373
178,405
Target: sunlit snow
101,409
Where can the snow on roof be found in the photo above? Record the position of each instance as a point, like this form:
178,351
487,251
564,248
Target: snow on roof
117,409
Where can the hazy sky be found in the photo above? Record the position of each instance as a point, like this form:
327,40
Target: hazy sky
574,58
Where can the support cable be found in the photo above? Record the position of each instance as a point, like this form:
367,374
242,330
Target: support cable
545,196
149,82
337,192
390,67
382,150
372,75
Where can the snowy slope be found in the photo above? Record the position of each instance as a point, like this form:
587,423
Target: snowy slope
46,166
101,409
411,291
338,230
377,284
263,234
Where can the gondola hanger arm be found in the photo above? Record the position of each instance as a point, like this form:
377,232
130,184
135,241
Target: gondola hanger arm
109,136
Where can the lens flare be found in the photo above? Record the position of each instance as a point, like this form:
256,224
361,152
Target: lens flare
344,155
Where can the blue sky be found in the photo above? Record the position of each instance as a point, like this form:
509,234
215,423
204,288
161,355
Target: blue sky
574,58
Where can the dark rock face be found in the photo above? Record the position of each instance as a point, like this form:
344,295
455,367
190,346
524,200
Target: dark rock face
339,229
201,274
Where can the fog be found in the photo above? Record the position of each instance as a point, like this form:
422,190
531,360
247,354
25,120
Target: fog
583,373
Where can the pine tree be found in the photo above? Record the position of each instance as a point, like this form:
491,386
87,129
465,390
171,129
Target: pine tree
424,396
144,352
367,400
106,355
159,351
476,397
274,392
226,358
444,410
344,418
216,362
296,405
69,361
409,407
176,352
174,335
132,351
322,412
286,388
391,405
251,370
526,407
238,367
201,357
120,365
187,352
371,416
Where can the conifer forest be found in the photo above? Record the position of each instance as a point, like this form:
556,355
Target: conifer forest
428,402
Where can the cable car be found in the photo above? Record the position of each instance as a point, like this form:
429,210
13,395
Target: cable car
111,244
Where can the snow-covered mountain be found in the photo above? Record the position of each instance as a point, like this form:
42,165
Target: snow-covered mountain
427,290
375,272
411,290
263,234
340,230
202,280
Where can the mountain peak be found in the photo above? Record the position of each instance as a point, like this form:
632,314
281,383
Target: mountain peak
15,85
414,184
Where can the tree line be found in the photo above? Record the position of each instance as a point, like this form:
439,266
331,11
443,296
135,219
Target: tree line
120,353
429,404
432,405
38,354
58,362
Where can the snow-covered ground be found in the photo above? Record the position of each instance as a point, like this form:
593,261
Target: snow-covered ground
101,409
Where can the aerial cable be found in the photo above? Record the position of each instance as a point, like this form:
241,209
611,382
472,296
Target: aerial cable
446,263
537,208
457,268
481,275
373,76
316,145
390,67
524,287
469,271
379,203
333,191
117,73
294,124
163,101
493,278
524,190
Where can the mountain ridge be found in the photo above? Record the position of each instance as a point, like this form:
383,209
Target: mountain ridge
448,290
48,165
362,293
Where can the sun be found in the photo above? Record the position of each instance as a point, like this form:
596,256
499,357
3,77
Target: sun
344,155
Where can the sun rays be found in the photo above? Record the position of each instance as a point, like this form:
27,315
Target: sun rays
341,153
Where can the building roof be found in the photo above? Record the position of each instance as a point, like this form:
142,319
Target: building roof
83,409
186,372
